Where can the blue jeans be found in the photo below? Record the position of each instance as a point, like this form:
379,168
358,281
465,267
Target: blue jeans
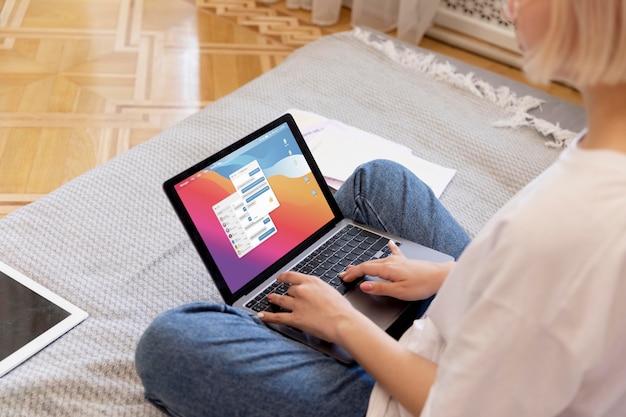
205,359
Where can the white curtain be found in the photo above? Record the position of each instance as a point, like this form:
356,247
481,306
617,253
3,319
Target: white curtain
410,17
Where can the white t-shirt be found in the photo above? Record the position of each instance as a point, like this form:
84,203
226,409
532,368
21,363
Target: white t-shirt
532,321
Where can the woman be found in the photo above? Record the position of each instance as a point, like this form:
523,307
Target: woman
527,323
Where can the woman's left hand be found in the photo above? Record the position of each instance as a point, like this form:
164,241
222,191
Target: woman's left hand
314,307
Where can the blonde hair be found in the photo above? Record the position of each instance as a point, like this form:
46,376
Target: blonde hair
585,44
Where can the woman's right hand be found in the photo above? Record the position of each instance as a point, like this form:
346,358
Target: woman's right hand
404,279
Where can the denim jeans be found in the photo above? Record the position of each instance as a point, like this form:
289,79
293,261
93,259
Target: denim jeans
205,359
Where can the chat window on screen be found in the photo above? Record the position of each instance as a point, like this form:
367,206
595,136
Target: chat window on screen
245,214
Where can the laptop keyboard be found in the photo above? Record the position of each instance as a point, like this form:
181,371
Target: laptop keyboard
350,246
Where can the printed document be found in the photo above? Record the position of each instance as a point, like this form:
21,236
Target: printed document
339,149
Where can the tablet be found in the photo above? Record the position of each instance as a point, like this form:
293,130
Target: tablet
31,317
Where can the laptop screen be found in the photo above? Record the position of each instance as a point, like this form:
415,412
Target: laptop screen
254,204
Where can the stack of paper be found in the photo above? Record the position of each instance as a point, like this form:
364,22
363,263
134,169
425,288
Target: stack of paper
339,149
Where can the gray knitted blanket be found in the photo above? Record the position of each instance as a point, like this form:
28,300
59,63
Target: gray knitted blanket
110,243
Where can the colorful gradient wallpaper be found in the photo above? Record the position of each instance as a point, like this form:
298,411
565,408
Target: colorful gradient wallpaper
302,208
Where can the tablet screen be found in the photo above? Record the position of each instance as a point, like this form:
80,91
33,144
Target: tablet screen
31,317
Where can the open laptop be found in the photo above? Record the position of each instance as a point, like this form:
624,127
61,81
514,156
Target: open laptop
260,207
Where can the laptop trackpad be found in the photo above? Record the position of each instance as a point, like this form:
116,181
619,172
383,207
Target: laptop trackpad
383,311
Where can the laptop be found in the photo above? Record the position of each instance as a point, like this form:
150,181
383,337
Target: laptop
261,206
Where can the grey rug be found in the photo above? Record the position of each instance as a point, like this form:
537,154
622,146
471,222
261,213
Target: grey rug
110,243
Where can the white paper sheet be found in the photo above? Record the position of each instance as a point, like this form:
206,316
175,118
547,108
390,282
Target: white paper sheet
339,149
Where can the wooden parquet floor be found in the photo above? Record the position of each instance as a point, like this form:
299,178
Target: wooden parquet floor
82,81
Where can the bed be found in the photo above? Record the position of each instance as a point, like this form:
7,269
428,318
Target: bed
110,243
